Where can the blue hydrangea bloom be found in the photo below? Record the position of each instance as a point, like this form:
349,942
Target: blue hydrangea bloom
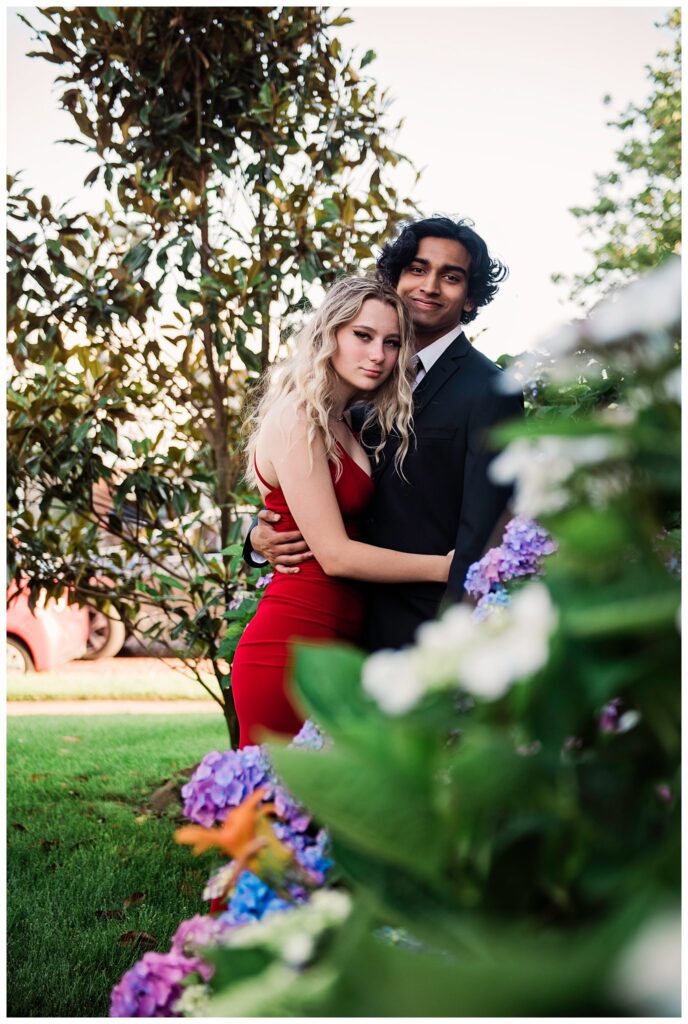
251,900
497,598
309,737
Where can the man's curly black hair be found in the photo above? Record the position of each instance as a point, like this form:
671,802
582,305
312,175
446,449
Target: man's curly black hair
485,274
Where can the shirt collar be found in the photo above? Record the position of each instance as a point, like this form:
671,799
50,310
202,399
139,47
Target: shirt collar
431,353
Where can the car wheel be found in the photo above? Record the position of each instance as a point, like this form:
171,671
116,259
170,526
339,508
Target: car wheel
106,634
18,658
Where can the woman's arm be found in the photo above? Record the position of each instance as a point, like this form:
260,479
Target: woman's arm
310,495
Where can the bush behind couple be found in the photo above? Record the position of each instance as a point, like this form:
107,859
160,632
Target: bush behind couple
370,449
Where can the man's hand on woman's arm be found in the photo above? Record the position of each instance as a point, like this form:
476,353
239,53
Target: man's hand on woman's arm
283,550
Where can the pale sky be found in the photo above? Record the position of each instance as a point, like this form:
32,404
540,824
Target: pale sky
503,111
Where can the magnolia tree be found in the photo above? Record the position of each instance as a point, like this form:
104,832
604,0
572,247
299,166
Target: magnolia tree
245,156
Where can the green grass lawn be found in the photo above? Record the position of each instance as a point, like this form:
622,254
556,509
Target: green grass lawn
82,841
105,681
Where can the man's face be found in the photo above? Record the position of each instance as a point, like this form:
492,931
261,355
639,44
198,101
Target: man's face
435,287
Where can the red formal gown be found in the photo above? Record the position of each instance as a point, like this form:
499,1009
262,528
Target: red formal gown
308,605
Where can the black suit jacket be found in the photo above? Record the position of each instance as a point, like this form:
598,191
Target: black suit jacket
447,501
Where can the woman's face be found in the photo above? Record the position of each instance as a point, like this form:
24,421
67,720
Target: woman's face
368,346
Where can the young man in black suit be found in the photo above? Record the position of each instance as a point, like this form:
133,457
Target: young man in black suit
444,271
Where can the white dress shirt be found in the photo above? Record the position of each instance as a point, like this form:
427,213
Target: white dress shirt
428,356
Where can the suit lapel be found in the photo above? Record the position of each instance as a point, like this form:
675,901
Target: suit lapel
443,370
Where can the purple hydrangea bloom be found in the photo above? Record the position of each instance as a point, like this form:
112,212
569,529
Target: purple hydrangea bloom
610,715
251,900
309,851
198,931
222,780
153,985
523,546
526,543
263,581
289,811
497,598
492,570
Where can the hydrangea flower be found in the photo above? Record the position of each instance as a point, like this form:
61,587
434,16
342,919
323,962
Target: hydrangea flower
222,781
263,581
311,852
483,657
153,985
251,900
526,543
294,936
540,467
489,602
193,1002
613,719
198,931
309,737
523,546
289,811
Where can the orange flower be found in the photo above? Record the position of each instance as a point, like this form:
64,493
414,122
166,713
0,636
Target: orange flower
235,834
247,836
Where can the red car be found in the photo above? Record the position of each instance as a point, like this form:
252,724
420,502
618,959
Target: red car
54,632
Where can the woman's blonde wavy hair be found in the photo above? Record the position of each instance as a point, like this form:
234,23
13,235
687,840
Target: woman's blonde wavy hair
310,378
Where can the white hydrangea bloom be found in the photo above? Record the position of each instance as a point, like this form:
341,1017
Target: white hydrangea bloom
540,468
509,646
440,645
392,679
672,385
193,1002
458,650
648,977
646,306
291,934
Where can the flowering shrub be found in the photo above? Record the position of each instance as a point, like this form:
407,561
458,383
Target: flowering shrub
535,740
158,985
152,987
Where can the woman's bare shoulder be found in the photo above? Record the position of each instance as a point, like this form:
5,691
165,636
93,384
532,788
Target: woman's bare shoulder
286,418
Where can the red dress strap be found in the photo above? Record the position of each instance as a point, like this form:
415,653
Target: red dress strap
260,476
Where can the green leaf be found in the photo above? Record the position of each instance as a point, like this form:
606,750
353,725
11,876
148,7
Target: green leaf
327,680
368,57
108,14
627,614
170,581
221,163
355,793
265,94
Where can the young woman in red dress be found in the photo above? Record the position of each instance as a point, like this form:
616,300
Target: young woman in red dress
310,468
